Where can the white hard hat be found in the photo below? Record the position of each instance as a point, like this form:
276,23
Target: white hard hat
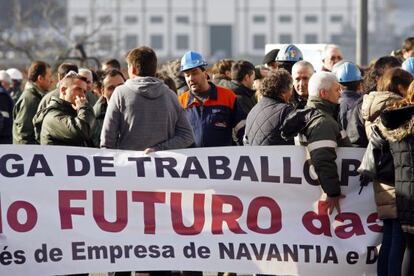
4,76
15,74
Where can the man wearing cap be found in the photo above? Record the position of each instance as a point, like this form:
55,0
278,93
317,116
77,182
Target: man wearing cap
17,78
408,65
212,110
349,76
287,56
269,59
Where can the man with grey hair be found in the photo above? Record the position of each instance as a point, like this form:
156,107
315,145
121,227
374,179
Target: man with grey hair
87,74
301,73
330,56
319,130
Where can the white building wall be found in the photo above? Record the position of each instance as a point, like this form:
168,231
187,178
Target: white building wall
269,21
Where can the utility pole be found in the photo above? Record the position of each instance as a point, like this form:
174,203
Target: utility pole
362,33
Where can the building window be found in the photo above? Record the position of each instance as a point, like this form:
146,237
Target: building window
131,19
182,42
105,43
182,20
336,18
156,19
131,41
79,20
259,19
336,39
285,19
157,42
106,19
311,19
311,38
285,38
259,42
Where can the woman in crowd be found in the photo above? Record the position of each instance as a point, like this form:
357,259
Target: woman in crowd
267,116
397,126
391,87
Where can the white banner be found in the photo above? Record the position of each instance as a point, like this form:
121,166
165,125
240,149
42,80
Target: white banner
238,209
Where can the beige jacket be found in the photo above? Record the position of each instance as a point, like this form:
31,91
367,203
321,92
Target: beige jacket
372,105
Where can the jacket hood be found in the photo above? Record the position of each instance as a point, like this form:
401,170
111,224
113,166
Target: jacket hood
323,105
148,87
397,124
375,102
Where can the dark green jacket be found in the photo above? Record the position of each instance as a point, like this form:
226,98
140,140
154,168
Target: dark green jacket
60,124
47,98
23,112
319,130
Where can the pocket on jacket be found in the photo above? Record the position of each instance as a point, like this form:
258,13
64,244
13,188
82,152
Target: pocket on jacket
219,120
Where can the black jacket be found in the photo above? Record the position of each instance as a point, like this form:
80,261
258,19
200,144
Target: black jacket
398,128
297,101
6,117
245,102
99,110
318,129
356,126
264,121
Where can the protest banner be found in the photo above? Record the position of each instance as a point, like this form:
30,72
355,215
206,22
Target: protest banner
241,209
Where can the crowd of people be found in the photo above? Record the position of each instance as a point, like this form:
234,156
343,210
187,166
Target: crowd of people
284,101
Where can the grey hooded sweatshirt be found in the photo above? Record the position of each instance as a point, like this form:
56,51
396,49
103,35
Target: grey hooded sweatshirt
144,113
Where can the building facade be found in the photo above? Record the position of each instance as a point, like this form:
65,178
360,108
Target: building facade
218,28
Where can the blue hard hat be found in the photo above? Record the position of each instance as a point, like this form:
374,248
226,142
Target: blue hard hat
192,60
408,65
289,53
348,72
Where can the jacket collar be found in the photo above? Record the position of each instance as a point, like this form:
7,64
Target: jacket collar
323,105
61,104
34,88
212,95
397,124
272,100
240,89
350,93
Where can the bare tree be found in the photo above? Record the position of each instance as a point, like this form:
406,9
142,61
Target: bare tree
40,31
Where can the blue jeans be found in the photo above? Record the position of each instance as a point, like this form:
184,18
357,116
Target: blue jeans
392,249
